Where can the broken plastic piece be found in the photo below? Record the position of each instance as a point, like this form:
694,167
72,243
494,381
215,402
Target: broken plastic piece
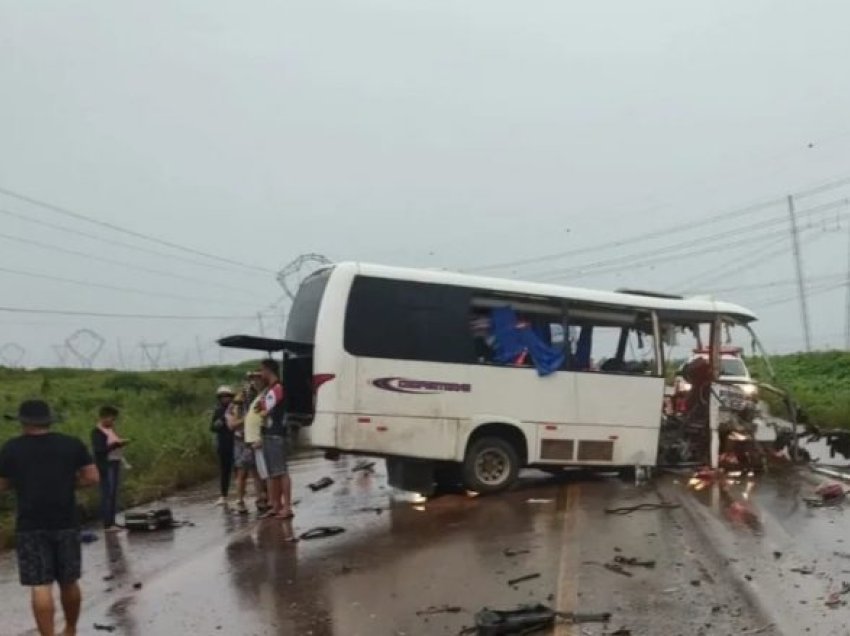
323,483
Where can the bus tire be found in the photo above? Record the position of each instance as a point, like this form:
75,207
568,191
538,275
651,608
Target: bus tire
491,465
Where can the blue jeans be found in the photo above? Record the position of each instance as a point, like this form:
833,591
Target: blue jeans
110,474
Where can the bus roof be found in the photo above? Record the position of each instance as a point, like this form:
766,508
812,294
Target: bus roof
671,308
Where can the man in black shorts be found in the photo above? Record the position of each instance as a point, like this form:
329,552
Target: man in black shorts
44,469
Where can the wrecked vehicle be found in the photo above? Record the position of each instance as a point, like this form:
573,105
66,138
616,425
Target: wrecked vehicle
459,379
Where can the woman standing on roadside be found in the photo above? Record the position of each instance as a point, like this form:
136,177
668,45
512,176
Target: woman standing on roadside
108,450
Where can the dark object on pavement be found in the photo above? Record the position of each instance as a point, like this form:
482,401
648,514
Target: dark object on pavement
622,632
87,536
108,577
322,532
777,555
149,520
616,568
323,483
806,570
366,467
627,510
508,552
104,628
635,563
523,579
137,586
528,619
443,609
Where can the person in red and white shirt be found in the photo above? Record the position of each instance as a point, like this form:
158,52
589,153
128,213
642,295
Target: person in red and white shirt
274,442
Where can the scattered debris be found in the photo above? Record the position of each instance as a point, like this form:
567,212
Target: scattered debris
108,577
627,510
149,520
87,536
104,628
442,609
509,552
539,501
760,630
842,555
322,532
364,466
777,555
617,569
828,495
137,586
804,570
834,600
622,632
696,583
528,619
323,483
635,563
523,579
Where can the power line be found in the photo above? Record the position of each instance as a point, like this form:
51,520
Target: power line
112,242
660,253
142,268
101,314
139,235
83,283
656,234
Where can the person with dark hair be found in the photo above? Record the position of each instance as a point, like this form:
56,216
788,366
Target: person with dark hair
224,441
274,443
44,469
108,449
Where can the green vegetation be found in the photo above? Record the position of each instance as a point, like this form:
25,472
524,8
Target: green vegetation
820,382
164,413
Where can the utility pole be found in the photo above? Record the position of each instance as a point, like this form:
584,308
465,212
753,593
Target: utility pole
801,285
260,321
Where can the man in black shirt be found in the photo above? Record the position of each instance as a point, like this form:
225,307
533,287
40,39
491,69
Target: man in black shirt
44,469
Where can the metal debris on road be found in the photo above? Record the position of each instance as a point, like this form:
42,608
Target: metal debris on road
323,483
828,495
509,552
617,569
636,563
805,570
528,619
627,510
364,466
523,579
322,532
442,609
103,628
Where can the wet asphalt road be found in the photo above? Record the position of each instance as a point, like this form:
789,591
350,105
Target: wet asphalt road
724,561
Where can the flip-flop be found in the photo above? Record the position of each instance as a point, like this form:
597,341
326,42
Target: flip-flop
268,514
322,532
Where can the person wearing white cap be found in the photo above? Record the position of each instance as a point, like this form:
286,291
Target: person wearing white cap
224,441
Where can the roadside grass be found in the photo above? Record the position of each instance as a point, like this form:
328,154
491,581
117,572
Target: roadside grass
165,414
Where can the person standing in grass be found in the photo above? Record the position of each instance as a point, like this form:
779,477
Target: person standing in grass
223,441
108,450
44,469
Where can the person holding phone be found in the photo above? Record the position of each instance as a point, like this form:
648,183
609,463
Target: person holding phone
108,450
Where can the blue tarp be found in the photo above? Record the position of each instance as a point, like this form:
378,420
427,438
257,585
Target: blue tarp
512,340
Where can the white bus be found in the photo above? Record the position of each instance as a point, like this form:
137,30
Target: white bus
457,377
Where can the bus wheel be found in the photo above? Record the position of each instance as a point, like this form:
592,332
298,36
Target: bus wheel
491,464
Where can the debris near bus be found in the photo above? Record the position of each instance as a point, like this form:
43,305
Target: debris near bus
442,609
627,510
529,619
364,467
827,495
321,532
524,579
324,482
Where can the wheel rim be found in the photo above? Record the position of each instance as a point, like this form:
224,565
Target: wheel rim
492,466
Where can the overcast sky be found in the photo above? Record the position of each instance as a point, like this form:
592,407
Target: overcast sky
439,134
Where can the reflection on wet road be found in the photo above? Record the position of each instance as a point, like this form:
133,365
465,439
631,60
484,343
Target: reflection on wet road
400,561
